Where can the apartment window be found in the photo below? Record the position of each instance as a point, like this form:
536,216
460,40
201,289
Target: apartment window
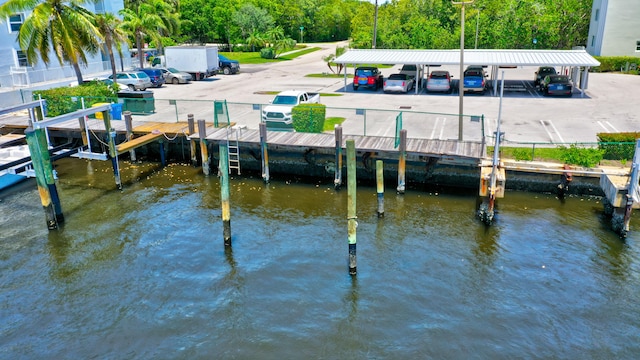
22,58
638,45
593,41
597,16
15,22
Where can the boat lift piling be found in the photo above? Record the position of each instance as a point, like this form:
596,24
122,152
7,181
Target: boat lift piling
380,187
204,151
224,194
337,182
402,160
129,126
265,153
192,142
352,223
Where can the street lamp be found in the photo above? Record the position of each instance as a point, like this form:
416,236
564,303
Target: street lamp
301,28
477,26
375,26
461,81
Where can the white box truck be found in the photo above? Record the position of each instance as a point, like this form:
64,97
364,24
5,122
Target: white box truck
199,61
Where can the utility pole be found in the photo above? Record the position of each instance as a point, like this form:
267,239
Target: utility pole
461,80
375,26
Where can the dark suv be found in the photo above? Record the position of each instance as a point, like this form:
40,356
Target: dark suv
542,72
367,76
156,76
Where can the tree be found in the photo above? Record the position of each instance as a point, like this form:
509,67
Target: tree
109,26
62,26
250,19
140,22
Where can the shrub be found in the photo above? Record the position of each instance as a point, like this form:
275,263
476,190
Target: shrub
616,63
618,146
63,100
586,157
309,117
268,53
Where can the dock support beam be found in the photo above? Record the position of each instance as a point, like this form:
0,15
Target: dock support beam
402,161
224,194
204,151
38,148
128,122
113,153
380,187
192,142
352,223
337,182
265,153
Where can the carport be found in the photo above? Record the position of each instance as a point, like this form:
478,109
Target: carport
575,63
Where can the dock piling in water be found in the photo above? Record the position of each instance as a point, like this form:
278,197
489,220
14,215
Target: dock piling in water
113,153
380,187
192,142
402,161
128,122
352,223
204,151
224,194
265,154
337,182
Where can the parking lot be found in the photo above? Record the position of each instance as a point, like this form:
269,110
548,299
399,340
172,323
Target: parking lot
608,105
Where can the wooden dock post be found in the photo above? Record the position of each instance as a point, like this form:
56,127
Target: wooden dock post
192,142
265,154
204,151
128,122
380,187
113,153
352,223
337,182
38,148
224,194
402,161
83,128
163,159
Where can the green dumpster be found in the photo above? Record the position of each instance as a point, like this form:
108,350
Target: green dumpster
138,102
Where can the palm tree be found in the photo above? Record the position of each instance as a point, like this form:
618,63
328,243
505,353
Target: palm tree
62,26
109,26
140,22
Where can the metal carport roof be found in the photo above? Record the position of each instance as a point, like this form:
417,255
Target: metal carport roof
471,57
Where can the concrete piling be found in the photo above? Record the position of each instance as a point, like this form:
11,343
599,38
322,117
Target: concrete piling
380,187
128,122
265,154
402,160
192,142
352,223
224,194
337,182
204,151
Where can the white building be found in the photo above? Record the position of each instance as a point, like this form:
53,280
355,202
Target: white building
614,28
15,73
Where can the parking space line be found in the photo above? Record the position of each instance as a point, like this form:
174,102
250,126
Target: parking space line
435,125
444,122
551,133
607,126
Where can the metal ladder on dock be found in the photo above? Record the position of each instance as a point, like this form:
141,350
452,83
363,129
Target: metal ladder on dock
233,155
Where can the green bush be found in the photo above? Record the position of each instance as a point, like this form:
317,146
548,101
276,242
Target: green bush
616,63
309,117
618,146
63,100
268,53
586,157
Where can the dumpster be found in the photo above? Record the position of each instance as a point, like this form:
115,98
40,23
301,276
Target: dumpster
116,111
138,102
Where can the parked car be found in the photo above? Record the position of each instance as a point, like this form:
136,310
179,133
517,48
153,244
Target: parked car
399,83
542,72
439,81
228,66
556,85
367,76
155,75
411,70
474,79
175,76
134,80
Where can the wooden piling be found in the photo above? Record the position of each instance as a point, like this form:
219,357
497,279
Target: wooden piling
402,160
128,122
113,153
265,154
204,151
224,194
38,149
192,142
83,128
163,160
337,182
380,187
352,223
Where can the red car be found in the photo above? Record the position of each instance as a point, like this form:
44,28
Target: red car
367,76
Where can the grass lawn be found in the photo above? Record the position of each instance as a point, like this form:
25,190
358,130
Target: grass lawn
254,57
331,122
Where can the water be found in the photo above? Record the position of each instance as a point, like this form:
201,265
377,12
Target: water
143,273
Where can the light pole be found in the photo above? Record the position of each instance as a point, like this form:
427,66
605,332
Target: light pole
477,27
375,26
461,81
301,28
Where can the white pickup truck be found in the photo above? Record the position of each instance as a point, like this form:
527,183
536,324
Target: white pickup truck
277,115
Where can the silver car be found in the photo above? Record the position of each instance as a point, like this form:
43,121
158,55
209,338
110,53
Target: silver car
174,76
439,81
134,80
